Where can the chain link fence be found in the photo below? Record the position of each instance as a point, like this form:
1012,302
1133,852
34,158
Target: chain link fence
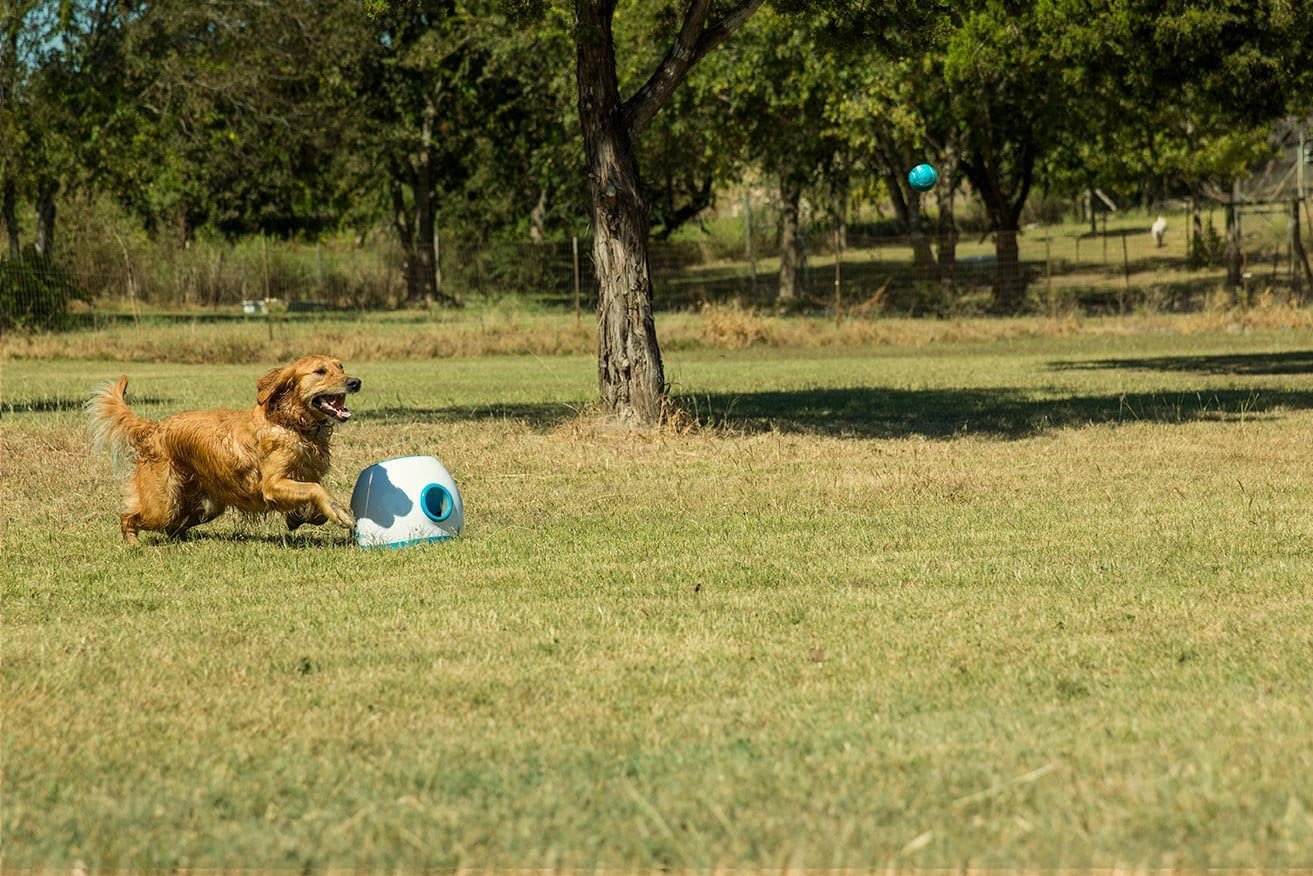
1172,262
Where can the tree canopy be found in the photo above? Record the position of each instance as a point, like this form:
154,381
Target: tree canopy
625,119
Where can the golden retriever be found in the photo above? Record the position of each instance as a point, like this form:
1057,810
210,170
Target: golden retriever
190,467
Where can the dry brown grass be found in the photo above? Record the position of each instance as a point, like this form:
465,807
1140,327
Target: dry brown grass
715,326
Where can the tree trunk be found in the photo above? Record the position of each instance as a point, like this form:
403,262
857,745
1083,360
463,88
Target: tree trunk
923,259
839,209
947,230
401,221
425,288
1235,265
907,204
538,218
9,214
1004,195
629,370
791,251
47,189
1010,291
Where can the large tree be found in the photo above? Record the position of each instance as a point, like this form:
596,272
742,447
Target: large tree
63,105
782,86
631,375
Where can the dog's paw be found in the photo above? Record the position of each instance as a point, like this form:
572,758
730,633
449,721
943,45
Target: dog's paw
342,515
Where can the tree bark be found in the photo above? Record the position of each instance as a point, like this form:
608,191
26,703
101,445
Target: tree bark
1010,292
47,189
425,288
839,210
9,214
907,205
1235,264
538,218
401,221
630,374
946,232
792,257
1004,195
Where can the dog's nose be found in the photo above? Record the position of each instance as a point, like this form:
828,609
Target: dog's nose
353,384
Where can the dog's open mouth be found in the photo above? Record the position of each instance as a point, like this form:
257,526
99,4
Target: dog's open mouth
334,406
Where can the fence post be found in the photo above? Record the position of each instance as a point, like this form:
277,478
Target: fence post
264,250
319,268
268,311
437,261
1189,222
1126,272
838,277
1299,167
574,246
1297,251
747,243
1105,238
1048,275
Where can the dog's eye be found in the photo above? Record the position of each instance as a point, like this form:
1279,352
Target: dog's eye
321,370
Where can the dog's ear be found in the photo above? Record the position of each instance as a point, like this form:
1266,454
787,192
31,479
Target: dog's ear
273,384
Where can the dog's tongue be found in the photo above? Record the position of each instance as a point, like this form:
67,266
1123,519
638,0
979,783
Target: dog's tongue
336,405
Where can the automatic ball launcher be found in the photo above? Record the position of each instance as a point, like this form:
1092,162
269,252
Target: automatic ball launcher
404,501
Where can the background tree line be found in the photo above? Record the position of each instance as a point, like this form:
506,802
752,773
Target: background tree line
531,119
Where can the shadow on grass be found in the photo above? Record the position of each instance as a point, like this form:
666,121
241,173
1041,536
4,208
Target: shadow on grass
876,412
997,413
538,416
54,404
1300,362
302,540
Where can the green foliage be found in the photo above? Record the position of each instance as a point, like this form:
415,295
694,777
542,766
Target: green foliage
301,118
35,292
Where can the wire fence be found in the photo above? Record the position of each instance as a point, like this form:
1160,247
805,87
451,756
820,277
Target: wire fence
1172,262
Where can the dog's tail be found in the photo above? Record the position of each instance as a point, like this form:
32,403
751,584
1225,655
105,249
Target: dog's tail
113,425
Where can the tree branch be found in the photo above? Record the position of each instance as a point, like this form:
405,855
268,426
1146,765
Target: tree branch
692,43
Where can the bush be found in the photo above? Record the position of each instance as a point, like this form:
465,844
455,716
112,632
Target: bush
35,292
1047,210
1207,250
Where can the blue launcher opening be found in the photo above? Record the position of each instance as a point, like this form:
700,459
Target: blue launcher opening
436,502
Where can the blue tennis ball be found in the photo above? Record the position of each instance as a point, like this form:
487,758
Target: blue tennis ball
922,177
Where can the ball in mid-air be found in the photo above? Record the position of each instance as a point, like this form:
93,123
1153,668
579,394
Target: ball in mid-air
922,177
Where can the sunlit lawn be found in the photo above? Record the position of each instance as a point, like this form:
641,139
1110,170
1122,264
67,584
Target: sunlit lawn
1035,602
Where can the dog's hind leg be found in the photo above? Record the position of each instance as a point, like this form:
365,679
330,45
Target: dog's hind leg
199,509
154,501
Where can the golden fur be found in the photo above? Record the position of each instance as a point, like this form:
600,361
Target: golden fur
190,467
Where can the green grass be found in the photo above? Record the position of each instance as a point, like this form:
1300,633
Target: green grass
1033,602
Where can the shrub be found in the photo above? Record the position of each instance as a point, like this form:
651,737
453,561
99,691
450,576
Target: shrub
1208,249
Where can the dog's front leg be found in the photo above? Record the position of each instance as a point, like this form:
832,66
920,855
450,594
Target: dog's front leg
282,493
287,495
298,518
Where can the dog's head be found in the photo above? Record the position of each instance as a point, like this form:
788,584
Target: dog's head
308,392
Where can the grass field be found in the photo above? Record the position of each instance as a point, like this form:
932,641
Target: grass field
1032,601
